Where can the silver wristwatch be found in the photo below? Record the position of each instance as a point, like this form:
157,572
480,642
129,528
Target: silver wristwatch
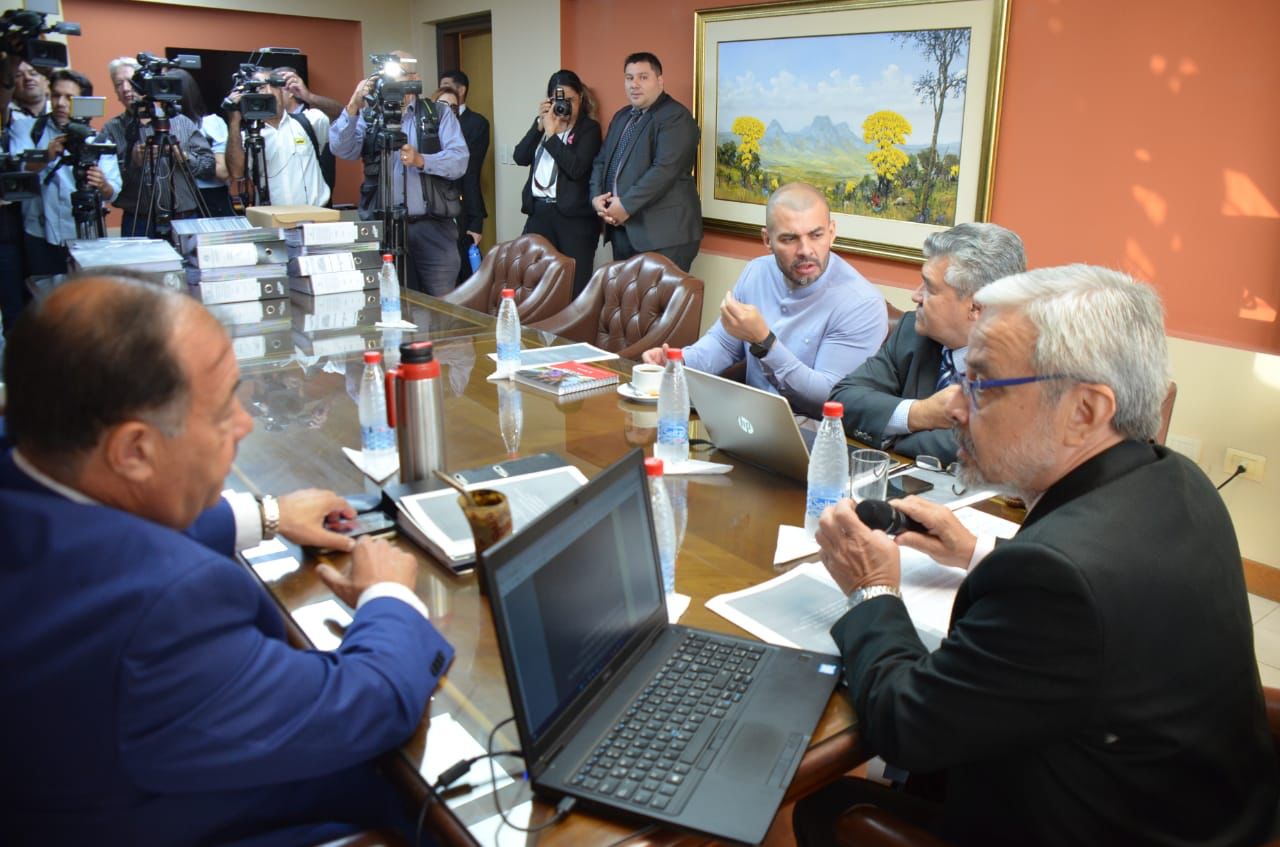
869,591
269,509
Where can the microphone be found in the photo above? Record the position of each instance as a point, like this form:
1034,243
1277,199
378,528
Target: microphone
877,514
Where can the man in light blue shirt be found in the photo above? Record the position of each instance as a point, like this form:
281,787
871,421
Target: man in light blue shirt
431,238
49,221
800,320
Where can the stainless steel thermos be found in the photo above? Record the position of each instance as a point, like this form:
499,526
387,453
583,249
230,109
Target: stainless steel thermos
415,409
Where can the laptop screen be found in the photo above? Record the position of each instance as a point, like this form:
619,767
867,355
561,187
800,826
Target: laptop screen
571,590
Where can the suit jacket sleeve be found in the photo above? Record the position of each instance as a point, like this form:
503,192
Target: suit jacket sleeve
473,209
575,160
208,701
602,158
1020,664
675,144
215,528
523,153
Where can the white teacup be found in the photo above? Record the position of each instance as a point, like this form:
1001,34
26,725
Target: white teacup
645,379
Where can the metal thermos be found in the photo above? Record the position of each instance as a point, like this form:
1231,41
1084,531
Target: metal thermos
415,409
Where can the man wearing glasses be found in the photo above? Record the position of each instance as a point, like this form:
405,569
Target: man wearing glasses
897,399
1097,684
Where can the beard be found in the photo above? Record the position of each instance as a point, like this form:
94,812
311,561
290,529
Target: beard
1014,465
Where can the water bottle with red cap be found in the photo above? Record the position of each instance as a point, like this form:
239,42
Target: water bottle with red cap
828,467
377,440
664,523
389,290
508,335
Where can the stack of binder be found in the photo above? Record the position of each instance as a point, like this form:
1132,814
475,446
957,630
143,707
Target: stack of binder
231,261
333,324
150,257
334,258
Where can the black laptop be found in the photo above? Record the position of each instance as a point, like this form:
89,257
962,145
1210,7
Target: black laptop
622,710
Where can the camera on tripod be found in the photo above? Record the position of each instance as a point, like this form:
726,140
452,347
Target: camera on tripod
152,81
20,31
16,182
254,104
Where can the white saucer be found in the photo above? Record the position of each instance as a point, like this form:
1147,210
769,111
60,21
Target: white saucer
625,389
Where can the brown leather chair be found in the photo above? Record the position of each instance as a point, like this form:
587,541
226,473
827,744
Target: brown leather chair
1166,413
541,276
895,315
868,826
632,305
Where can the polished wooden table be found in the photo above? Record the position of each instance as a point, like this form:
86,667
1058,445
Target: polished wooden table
304,399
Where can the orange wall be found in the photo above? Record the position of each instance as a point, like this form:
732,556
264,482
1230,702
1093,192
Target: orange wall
115,28
1140,135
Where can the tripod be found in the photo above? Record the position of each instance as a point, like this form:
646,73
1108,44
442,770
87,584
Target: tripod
394,216
86,210
162,164
255,163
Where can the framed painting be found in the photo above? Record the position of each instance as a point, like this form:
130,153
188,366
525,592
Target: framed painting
890,107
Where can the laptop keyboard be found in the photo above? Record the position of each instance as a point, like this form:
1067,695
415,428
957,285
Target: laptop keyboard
674,727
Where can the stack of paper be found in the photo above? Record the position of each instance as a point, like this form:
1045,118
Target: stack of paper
151,257
229,261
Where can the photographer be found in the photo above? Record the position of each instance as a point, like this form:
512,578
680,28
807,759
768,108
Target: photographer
214,128
431,234
48,221
291,163
145,190
560,148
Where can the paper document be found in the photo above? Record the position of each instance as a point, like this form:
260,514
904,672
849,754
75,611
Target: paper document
581,352
323,623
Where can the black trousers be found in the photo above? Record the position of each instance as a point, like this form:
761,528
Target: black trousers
576,237
681,255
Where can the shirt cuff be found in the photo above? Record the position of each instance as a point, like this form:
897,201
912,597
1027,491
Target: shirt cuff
897,424
394,590
983,545
248,518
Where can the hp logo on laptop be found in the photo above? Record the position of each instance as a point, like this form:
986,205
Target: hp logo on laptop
745,425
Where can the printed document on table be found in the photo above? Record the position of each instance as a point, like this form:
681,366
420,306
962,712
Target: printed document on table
582,352
798,608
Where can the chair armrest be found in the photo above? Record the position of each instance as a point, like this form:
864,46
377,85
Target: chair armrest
474,293
551,296
579,320
868,826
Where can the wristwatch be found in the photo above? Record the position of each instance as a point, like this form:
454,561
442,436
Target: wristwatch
269,509
869,591
761,349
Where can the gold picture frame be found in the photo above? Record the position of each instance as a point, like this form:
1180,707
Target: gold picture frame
865,75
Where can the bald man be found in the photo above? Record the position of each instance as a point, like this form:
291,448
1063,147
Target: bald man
800,320
150,695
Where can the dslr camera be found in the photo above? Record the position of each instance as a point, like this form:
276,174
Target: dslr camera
154,84
20,31
255,104
561,107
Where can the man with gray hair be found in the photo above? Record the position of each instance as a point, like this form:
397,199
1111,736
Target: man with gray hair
799,319
897,399
1097,684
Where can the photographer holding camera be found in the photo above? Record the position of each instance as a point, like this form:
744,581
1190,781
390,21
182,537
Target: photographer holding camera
71,165
292,166
560,148
426,165
146,187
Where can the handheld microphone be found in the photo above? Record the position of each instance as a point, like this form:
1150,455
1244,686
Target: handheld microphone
877,514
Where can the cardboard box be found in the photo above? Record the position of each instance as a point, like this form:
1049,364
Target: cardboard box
284,216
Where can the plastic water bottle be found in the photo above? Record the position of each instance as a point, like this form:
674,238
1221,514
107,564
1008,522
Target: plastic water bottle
389,290
510,416
508,335
672,446
828,467
473,256
377,439
664,524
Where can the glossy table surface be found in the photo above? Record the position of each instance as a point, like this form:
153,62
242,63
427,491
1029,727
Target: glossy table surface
301,389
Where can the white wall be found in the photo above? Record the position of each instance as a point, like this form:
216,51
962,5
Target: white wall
1226,398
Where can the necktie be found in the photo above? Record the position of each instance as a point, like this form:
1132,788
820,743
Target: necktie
946,373
628,132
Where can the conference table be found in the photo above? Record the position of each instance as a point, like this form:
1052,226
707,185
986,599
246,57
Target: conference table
301,387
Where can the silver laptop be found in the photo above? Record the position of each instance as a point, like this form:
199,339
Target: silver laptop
756,426
624,711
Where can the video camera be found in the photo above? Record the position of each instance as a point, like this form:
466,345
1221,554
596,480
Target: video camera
16,182
152,81
254,103
385,110
20,31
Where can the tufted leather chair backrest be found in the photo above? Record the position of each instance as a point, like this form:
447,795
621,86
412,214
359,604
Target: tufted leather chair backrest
541,277
633,305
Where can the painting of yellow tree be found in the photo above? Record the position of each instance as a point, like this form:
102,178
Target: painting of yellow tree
873,119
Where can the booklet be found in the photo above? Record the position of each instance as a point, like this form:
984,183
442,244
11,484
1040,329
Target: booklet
566,377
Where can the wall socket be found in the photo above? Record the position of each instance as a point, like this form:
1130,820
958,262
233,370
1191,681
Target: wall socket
1254,465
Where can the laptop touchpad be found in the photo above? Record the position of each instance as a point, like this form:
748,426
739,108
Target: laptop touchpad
754,750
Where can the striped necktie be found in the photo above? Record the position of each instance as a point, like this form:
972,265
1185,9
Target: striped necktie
946,373
628,132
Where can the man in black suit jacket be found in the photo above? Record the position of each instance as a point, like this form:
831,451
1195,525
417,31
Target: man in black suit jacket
642,181
475,129
1098,683
898,398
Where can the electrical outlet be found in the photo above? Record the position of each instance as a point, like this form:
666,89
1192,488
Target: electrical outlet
1254,465
1186,445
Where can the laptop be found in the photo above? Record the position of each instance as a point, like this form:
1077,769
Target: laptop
624,711
756,426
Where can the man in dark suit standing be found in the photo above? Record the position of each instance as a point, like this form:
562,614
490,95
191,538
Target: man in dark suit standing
151,697
642,181
475,129
898,398
1097,684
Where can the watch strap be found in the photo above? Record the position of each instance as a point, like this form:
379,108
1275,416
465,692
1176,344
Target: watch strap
269,508
867,592
762,348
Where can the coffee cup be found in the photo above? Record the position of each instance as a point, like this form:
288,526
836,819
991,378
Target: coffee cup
645,379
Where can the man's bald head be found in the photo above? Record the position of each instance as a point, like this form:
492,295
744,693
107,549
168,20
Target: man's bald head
796,197
97,351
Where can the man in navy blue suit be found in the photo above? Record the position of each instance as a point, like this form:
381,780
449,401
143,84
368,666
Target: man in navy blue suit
150,696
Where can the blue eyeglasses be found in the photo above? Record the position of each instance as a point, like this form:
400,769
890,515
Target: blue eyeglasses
973,388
